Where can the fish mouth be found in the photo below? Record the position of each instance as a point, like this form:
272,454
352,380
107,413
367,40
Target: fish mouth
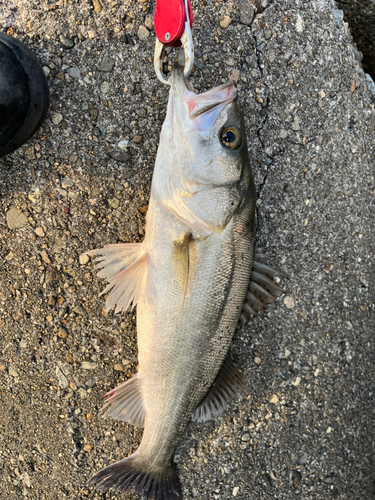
200,103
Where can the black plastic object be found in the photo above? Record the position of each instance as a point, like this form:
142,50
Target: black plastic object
24,94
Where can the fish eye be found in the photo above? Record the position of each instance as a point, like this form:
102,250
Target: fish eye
230,137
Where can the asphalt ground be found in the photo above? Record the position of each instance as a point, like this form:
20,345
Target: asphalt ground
304,428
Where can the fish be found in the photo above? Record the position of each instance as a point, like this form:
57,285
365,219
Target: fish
194,277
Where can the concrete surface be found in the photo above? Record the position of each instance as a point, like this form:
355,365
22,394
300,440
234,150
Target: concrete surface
305,428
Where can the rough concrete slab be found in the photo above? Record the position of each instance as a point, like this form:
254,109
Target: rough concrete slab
305,428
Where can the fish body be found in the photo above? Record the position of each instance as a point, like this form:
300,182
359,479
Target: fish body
189,279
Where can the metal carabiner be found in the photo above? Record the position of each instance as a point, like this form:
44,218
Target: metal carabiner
187,43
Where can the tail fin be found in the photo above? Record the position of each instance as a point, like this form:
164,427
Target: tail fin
129,473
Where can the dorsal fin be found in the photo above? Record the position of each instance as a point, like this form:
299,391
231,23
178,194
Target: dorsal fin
124,265
262,289
227,385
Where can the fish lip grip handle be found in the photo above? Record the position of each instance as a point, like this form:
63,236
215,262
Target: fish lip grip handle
169,21
173,22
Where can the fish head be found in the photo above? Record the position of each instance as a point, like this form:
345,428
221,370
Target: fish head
202,166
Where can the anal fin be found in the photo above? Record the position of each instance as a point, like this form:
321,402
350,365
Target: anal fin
124,266
262,289
126,403
227,385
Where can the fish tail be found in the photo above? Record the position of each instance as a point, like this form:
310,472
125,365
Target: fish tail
131,473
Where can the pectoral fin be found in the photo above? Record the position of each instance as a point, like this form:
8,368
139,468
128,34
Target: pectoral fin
227,385
182,250
124,265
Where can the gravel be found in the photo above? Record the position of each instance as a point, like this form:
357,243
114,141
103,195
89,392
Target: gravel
74,189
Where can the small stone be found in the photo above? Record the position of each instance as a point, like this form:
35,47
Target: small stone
235,491
370,84
30,153
82,393
94,113
295,124
119,155
60,76
83,259
271,55
303,459
16,219
10,256
12,372
62,192
289,302
297,381
39,231
245,437
225,21
137,139
299,24
67,42
62,333
283,134
257,360
143,209
352,86
56,118
63,381
34,195
113,202
97,6
118,368
122,145
69,357
149,23
52,301
296,478
143,33
74,73
329,430
338,15
246,12
267,34
79,310
234,75
104,87
274,399
66,181
46,70
87,365
107,64
45,257
87,448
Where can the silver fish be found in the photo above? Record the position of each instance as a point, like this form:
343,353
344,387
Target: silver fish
189,278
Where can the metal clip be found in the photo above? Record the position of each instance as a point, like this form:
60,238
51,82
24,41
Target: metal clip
187,43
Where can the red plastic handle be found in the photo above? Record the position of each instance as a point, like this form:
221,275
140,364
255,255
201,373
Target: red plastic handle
170,17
